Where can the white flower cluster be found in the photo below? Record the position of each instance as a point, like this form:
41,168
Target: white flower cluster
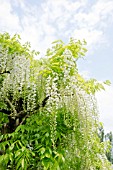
52,93
4,58
19,75
69,59
69,81
53,104
31,98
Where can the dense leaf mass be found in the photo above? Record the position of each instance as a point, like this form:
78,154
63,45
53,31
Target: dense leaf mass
48,112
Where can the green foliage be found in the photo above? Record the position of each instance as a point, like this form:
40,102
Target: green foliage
49,118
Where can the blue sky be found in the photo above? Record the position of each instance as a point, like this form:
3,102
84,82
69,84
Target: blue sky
42,21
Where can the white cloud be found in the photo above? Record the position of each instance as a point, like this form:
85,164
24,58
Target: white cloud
104,7
93,23
9,21
91,36
50,25
105,103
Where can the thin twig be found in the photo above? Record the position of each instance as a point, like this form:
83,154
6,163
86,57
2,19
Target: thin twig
24,119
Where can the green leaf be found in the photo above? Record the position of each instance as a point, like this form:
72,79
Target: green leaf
42,150
107,82
57,41
22,162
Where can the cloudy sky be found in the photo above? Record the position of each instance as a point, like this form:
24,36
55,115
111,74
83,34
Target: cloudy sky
42,21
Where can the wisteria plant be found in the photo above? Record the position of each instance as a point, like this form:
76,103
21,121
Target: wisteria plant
48,111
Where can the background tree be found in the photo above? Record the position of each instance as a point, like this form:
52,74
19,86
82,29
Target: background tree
49,118
109,138
101,133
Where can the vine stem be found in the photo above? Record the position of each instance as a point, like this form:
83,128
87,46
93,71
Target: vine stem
13,108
